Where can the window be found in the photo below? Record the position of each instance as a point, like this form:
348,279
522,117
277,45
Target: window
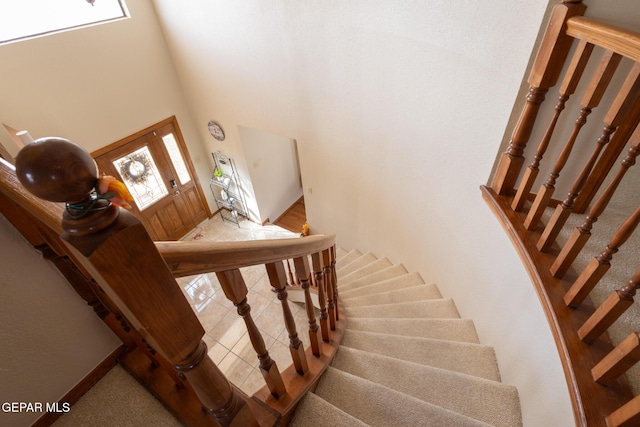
25,19
176,158
142,177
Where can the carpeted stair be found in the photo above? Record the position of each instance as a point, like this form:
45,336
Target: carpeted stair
406,359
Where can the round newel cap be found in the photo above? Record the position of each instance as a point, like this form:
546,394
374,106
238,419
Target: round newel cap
57,170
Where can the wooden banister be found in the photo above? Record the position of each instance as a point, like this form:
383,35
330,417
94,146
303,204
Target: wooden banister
595,91
196,257
236,291
116,250
581,234
620,40
598,266
621,109
581,331
567,88
547,67
277,278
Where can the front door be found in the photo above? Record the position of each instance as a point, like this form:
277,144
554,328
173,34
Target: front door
156,168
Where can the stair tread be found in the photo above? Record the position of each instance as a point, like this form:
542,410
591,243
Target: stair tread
395,282
451,329
418,292
406,357
434,308
348,257
466,358
378,405
317,412
340,252
354,265
378,276
372,267
485,400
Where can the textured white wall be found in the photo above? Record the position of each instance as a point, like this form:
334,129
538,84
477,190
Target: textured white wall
398,108
50,337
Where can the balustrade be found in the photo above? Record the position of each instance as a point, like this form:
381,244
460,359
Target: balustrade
590,360
135,277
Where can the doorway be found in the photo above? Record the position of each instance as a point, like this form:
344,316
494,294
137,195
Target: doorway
155,166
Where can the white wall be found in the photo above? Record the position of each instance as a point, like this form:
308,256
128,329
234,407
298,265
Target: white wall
398,108
50,337
274,171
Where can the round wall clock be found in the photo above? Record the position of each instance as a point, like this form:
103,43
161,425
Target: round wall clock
216,131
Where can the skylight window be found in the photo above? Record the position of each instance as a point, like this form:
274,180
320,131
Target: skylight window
25,19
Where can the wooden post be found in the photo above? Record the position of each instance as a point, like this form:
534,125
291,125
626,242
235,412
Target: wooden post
546,69
328,277
318,271
303,271
567,88
278,279
236,291
114,247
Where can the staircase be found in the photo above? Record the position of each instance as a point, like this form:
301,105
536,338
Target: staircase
406,359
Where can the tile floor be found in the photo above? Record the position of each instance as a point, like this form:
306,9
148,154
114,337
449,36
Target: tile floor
226,333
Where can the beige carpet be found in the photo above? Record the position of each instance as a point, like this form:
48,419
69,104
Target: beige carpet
407,359
118,400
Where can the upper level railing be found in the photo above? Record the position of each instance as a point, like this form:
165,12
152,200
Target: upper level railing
602,63
132,281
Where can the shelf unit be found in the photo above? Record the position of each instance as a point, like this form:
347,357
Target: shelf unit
226,190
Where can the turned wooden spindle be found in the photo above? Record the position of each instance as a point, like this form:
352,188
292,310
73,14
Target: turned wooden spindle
567,88
236,291
625,106
328,277
546,69
302,268
618,361
591,99
334,281
581,234
610,310
318,272
116,250
598,266
278,280
291,279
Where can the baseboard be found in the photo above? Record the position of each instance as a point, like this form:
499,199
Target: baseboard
74,395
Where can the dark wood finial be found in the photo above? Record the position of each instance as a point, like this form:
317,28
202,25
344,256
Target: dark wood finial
58,170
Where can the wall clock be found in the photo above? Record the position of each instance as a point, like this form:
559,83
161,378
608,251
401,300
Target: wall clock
216,131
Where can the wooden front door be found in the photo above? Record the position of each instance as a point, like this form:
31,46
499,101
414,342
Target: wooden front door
156,168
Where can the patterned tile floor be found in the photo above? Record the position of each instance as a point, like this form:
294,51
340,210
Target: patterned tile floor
226,333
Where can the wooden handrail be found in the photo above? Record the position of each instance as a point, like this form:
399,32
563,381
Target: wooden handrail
619,40
198,257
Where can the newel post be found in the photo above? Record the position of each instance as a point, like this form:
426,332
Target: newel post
114,247
546,70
